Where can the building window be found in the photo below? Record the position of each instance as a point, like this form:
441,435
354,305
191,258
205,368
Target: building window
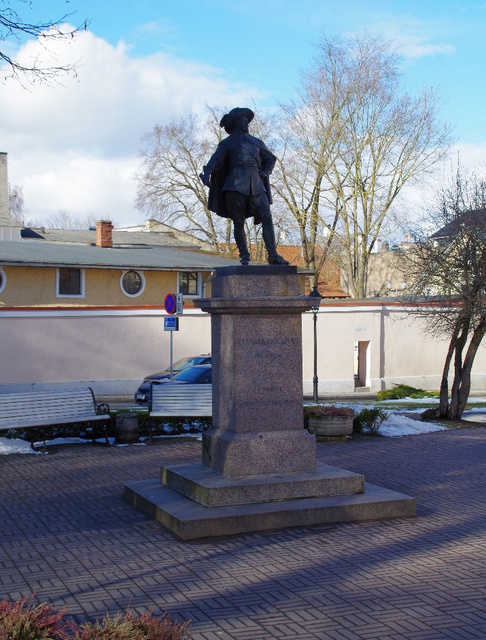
132,283
189,283
3,280
70,283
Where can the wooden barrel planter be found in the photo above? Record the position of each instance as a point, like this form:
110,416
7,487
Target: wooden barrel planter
329,423
331,428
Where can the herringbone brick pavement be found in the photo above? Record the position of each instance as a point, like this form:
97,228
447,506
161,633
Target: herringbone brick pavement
67,536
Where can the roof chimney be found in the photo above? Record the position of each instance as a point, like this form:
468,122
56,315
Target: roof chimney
103,233
4,208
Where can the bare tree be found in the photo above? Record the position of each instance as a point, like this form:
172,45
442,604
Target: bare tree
14,26
309,130
65,220
345,150
169,188
449,274
358,139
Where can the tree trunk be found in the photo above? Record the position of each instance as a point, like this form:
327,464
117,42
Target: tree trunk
458,369
462,376
444,383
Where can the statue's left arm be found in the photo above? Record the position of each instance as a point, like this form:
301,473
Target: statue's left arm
268,160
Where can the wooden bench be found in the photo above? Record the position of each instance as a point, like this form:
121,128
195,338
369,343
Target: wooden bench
45,408
181,400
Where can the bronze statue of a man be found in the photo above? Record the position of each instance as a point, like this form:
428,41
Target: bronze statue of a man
239,188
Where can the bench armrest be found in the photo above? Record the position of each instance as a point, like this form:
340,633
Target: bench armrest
99,409
102,408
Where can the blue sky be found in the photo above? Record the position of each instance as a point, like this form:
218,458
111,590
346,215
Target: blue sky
74,147
267,44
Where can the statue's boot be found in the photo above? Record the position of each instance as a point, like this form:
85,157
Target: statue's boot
269,239
240,239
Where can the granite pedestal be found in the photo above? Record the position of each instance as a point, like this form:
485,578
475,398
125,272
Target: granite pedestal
258,468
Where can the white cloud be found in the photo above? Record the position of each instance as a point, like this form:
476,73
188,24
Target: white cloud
75,146
415,199
80,184
414,47
470,154
415,38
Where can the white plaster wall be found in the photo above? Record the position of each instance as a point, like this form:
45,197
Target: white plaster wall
112,350
400,350
338,328
411,352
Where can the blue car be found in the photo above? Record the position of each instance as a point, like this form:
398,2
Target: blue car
198,374
142,396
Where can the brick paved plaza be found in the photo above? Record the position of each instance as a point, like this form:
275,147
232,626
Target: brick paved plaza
67,535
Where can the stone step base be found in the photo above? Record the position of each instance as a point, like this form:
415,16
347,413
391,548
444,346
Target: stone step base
189,520
213,489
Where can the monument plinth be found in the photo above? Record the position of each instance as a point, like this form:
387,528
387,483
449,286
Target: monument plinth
258,468
256,333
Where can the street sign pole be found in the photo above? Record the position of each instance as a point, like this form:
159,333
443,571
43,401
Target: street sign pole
170,304
171,324
170,355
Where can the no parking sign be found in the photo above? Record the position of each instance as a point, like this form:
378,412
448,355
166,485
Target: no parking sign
174,303
170,303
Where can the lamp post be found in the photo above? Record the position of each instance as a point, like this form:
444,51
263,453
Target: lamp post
315,308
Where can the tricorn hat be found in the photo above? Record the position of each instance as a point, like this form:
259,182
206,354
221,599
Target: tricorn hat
227,121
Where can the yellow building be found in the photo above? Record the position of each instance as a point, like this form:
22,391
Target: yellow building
101,267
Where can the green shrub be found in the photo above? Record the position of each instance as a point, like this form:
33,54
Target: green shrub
22,620
369,421
400,391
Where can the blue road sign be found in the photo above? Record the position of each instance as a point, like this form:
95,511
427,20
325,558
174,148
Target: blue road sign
171,324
